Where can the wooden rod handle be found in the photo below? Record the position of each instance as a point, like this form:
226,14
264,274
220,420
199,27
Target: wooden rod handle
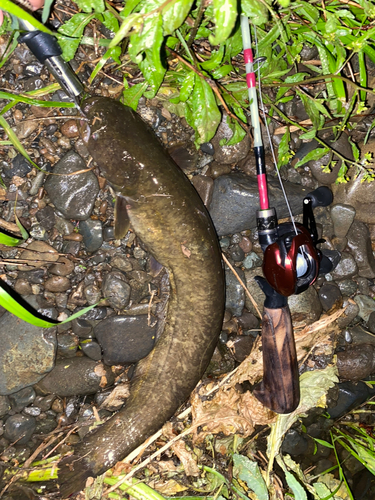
279,389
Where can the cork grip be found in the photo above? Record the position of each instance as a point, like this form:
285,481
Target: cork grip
279,389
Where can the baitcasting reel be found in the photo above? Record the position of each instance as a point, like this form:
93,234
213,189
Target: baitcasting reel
292,261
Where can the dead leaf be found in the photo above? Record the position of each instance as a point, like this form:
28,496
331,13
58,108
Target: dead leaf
167,488
225,413
182,452
117,397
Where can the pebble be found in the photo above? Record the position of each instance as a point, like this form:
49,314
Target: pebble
294,443
228,154
346,268
235,294
25,128
366,306
67,345
69,129
20,399
342,218
63,226
27,353
91,349
73,195
4,405
57,284
19,428
330,296
78,376
350,313
116,290
246,244
305,308
92,233
235,201
82,328
20,167
63,267
356,362
121,262
252,260
247,321
347,286
92,294
351,395
359,242
125,339
236,253
240,346
46,217
23,287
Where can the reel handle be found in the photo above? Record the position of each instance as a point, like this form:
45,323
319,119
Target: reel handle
279,390
320,197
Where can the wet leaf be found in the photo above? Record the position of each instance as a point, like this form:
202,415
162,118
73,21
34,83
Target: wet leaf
298,490
132,95
248,471
174,14
315,154
91,5
256,11
183,453
225,15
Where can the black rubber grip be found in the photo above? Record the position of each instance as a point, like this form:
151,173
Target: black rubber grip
41,44
321,197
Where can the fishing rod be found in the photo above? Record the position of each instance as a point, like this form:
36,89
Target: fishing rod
291,263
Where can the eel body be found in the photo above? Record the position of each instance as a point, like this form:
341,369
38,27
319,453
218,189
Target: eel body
167,214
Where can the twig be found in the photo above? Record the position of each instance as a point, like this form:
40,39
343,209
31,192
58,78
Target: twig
242,284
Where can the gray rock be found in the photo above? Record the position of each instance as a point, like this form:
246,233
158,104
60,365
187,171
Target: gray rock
252,260
27,353
76,377
294,443
359,242
330,296
19,428
235,294
235,200
350,313
91,349
82,328
347,287
228,154
121,262
366,306
359,335
241,346
236,253
342,218
125,339
254,290
4,405
346,268
20,167
204,185
46,217
356,362
67,345
92,232
350,396
116,290
72,195
371,322
305,308
22,398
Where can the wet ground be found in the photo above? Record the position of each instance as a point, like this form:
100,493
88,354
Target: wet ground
53,380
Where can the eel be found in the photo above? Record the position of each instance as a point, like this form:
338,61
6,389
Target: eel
169,217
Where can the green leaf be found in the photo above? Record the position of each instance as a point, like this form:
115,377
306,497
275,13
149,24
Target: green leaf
203,115
294,485
308,136
17,11
255,10
315,154
238,132
91,5
225,15
248,471
174,14
311,109
46,10
110,21
324,443
114,53
130,5
68,46
215,59
331,23
133,21
284,151
308,11
150,34
132,95
233,45
76,25
187,87
9,241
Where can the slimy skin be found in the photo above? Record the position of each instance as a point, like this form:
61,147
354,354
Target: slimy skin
169,217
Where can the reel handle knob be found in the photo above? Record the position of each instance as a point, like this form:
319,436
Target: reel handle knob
320,197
